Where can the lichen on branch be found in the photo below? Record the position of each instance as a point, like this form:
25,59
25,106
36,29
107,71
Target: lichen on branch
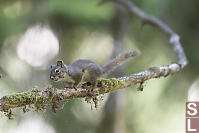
39,98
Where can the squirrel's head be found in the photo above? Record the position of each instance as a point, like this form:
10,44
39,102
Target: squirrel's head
58,71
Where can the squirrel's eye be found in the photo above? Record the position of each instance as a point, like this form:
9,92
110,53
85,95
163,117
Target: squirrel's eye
57,70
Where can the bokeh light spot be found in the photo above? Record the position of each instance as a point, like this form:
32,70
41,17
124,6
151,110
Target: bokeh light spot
38,46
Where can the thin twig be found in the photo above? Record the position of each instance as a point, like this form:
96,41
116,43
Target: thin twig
174,38
174,41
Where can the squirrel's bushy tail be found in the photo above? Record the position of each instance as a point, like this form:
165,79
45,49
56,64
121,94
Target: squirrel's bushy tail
118,60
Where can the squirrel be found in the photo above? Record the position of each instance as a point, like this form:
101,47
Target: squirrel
84,70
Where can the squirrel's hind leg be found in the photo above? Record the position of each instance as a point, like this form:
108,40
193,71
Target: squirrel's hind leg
90,74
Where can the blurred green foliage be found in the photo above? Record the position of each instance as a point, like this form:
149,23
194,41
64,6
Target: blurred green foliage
160,107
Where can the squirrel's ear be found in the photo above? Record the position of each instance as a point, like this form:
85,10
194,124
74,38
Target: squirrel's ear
60,63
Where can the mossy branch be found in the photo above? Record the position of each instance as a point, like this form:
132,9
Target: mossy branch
51,95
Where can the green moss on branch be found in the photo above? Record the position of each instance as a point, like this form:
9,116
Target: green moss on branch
39,98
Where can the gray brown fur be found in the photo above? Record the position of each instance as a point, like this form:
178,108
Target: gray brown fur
84,70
